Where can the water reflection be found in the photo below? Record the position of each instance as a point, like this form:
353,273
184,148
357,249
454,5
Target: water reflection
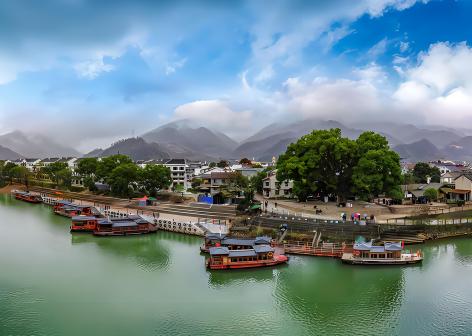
226,278
324,294
144,250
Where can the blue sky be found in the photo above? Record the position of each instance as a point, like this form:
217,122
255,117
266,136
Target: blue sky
95,71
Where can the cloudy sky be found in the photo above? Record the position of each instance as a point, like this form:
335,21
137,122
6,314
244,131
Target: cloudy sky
90,71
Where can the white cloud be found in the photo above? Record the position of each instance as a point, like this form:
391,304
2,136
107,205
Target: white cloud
378,49
215,114
92,68
173,66
439,87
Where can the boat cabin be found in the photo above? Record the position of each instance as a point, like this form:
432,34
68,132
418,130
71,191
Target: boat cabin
131,224
388,254
72,210
216,240
84,223
27,196
222,257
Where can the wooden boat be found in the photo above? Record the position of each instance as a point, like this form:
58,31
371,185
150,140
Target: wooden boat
84,223
27,196
259,256
70,210
217,240
130,225
391,253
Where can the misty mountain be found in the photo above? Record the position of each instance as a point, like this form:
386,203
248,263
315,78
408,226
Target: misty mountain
407,133
8,154
182,139
94,153
422,150
460,149
137,149
37,146
273,139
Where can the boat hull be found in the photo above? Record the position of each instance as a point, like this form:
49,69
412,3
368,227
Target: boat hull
124,233
278,260
380,262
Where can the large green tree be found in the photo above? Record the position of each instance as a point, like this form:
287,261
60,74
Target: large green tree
56,171
122,178
378,168
154,178
324,162
320,162
106,165
87,167
422,170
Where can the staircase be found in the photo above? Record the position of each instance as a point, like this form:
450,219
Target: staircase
406,237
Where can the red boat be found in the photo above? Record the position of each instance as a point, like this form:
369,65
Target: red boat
130,225
27,196
68,209
258,256
84,223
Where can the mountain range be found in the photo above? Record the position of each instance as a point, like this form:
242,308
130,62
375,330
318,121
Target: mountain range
185,139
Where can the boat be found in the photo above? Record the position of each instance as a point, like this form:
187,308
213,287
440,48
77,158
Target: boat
130,225
217,240
391,253
221,257
84,223
68,209
27,196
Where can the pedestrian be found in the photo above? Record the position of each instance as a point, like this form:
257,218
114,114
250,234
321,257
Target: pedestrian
352,217
275,205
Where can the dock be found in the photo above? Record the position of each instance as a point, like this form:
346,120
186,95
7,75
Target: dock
325,250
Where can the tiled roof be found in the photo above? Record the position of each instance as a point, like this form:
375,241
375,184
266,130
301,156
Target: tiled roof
176,161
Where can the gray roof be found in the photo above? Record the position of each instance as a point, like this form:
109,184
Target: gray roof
124,223
262,240
219,251
263,248
468,175
176,161
236,241
83,218
242,253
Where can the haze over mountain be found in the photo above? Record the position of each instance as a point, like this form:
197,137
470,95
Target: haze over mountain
8,154
35,145
182,139
422,150
137,149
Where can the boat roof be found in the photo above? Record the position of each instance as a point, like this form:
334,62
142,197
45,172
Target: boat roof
215,236
262,240
388,246
220,250
83,218
242,253
124,223
263,248
237,241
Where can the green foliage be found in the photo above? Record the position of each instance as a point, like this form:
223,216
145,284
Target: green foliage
121,179
245,161
257,181
196,182
58,172
222,164
324,162
87,166
212,164
422,170
154,178
106,166
89,183
431,194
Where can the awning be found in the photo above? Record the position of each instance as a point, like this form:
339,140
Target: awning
460,191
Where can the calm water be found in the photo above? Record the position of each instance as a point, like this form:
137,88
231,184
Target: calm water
55,283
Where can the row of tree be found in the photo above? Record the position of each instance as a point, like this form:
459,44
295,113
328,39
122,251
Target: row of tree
124,176
325,163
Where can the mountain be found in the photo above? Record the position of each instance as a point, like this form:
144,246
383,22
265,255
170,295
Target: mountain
407,133
8,154
35,145
422,150
273,139
183,139
460,149
95,153
137,149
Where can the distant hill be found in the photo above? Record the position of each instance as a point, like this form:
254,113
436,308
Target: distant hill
35,145
460,149
181,138
95,153
422,150
137,149
8,154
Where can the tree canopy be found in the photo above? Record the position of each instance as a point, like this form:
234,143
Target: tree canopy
422,170
154,178
326,163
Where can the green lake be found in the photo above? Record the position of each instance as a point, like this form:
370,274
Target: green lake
56,283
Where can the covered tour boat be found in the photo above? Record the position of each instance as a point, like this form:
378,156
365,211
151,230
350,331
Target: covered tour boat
391,253
259,256
218,240
27,196
130,225
84,223
70,210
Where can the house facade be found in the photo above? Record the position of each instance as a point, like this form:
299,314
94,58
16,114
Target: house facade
272,188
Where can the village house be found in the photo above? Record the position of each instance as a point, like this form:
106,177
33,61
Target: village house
272,188
178,172
462,187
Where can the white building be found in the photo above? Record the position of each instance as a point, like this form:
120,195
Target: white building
275,189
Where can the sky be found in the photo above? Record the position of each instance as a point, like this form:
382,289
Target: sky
88,72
